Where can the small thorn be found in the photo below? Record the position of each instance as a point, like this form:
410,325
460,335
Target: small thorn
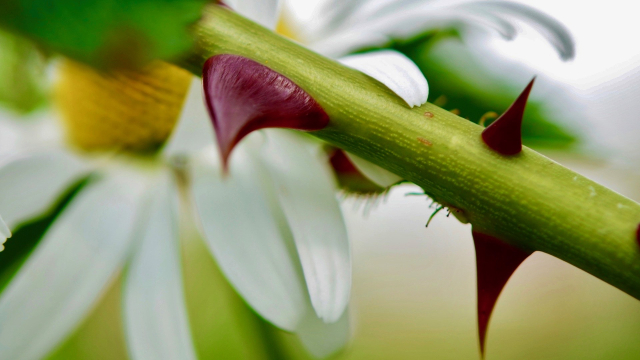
341,163
496,261
638,235
243,96
505,134
350,180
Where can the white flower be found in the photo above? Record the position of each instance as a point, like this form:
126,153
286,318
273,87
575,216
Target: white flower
287,270
273,225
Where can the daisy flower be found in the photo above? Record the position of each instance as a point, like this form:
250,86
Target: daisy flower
272,223
114,129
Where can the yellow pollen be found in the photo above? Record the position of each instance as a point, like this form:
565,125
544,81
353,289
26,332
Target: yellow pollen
124,110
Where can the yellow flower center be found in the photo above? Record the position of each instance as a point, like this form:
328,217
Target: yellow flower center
123,110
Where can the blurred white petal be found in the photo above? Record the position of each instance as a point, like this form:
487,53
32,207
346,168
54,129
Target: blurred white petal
247,234
30,185
381,21
155,313
373,172
68,271
394,70
307,194
551,29
28,134
5,233
263,12
194,131
321,339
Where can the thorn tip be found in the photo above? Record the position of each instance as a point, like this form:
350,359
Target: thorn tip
505,134
496,261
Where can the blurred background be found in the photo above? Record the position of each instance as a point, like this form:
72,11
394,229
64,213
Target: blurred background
414,287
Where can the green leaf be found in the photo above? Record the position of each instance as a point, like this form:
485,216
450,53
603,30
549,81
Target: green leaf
106,33
459,83
22,74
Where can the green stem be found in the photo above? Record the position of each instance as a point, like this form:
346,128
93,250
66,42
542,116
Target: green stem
527,199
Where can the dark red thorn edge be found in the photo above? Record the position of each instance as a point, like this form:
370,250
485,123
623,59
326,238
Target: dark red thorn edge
638,235
243,96
221,3
496,261
505,134
341,163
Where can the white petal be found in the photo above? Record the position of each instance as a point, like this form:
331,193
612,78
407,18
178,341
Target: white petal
194,130
307,194
5,233
375,173
551,29
394,70
155,313
30,185
264,12
75,261
380,21
248,237
321,339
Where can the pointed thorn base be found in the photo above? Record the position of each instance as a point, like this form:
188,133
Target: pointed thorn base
505,134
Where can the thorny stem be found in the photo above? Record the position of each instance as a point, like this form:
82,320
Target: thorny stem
526,199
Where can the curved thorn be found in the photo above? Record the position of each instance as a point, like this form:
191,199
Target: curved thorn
243,96
496,261
505,134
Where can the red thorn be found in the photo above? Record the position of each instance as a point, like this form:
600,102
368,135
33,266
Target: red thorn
243,96
638,235
341,163
505,134
222,3
496,261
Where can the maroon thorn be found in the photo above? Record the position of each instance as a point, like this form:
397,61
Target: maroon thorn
638,235
243,96
341,164
505,134
496,261
221,3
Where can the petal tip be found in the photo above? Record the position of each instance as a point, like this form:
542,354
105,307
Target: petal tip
505,134
243,95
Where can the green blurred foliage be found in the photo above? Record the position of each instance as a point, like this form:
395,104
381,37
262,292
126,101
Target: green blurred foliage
101,335
463,86
22,74
222,326
106,33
